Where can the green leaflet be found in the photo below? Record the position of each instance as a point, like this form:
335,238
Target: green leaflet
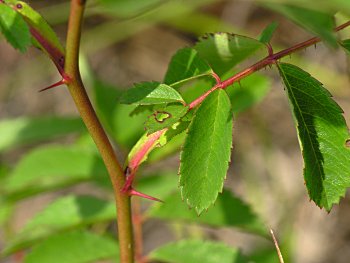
223,51
266,35
148,93
317,22
43,35
190,251
64,214
228,211
186,65
14,28
165,116
206,152
74,247
322,133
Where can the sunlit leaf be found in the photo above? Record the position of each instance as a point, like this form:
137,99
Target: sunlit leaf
14,28
164,117
147,93
323,136
206,152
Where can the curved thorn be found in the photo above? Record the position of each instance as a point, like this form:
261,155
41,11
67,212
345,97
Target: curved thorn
59,83
142,195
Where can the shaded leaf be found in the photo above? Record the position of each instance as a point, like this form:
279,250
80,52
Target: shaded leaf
147,93
206,152
223,51
317,22
20,131
346,45
189,251
228,211
186,65
249,92
159,185
52,167
266,35
265,256
74,247
66,213
164,117
14,28
322,134
127,8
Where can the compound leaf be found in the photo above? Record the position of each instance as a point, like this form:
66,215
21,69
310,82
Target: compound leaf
14,28
323,136
148,93
74,247
206,152
185,65
223,51
197,251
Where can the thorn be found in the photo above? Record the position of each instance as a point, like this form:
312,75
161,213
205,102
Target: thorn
315,46
59,83
142,195
239,83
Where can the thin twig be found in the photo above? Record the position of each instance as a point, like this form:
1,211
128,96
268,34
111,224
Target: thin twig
269,60
280,257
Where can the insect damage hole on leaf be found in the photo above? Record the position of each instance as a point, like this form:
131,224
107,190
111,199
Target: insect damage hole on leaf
347,143
161,116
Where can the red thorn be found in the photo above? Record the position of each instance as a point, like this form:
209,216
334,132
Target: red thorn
142,195
59,83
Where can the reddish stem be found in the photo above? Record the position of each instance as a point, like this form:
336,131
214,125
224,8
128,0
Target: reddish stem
269,60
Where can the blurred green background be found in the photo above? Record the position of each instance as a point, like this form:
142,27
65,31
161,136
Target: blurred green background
125,42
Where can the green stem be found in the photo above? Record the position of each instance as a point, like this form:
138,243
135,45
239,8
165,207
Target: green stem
83,104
